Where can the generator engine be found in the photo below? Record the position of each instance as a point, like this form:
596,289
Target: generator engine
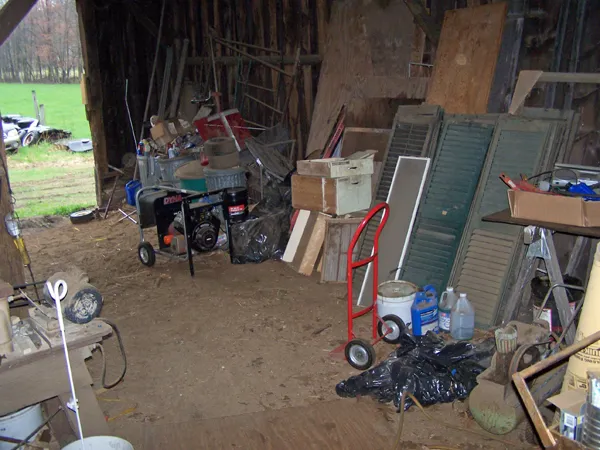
205,229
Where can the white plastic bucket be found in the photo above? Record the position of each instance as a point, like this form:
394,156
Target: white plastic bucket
100,443
20,424
396,297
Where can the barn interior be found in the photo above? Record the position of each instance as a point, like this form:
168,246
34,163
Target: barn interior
253,334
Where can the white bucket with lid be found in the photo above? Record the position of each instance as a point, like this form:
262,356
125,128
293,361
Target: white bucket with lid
100,443
20,424
396,297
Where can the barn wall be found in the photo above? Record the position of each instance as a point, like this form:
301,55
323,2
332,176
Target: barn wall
119,40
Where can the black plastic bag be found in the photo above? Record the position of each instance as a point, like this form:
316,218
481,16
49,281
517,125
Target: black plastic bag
434,372
264,235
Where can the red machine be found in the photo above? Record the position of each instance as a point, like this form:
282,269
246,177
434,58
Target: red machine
360,353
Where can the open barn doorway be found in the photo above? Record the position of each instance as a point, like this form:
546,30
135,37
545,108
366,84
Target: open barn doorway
46,132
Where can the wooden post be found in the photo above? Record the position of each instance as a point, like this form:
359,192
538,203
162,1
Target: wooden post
88,34
36,108
11,268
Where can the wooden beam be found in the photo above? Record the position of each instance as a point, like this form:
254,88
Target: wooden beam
305,60
529,78
422,18
88,34
11,270
11,15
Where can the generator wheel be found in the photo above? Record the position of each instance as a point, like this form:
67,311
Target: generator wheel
396,325
360,354
146,254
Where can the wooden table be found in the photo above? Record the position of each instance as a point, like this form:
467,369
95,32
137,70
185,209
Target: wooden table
505,217
40,375
550,258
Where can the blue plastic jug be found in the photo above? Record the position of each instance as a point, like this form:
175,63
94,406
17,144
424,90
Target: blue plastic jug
424,311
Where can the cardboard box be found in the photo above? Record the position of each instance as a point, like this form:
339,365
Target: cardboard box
331,195
554,208
162,134
335,167
572,409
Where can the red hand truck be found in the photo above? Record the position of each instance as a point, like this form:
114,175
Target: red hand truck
360,353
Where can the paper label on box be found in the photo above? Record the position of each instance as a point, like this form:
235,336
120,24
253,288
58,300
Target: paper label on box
172,128
570,421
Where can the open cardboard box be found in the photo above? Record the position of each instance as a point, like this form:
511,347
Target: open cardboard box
554,208
572,409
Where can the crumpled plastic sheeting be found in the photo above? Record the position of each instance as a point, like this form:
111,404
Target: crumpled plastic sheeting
427,367
265,233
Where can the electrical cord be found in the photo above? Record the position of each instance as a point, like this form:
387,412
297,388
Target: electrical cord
122,350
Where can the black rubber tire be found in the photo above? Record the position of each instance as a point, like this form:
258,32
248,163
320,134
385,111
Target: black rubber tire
146,254
84,216
397,324
360,354
31,138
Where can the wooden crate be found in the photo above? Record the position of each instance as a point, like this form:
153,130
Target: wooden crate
335,167
331,195
338,234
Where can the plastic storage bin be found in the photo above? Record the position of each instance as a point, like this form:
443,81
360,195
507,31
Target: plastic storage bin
149,171
130,190
170,165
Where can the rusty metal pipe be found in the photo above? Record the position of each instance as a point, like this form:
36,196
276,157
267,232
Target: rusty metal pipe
563,354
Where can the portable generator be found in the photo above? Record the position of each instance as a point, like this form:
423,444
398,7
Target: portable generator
185,221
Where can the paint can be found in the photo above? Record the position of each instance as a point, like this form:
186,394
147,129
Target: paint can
20,424
396,298
235,203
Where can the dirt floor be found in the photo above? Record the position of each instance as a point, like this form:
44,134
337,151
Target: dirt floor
232,340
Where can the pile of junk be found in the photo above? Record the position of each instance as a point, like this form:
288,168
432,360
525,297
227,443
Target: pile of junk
212,185
504,375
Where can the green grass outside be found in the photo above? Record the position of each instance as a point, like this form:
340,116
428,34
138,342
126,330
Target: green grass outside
45,179
62,103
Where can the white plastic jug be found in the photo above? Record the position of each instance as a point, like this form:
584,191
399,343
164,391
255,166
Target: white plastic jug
462,319
447,301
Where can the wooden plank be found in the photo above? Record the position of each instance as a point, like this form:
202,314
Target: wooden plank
338,235
357,139
365,41
466,59
304,239
424,20
25,385
11,15
11,269
296,236
316,235
404,198
92,418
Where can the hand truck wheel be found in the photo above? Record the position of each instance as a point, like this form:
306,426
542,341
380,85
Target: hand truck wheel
395,328
360,354
146,254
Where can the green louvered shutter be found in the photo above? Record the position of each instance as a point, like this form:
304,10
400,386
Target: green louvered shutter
414,132
444,209
487,252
